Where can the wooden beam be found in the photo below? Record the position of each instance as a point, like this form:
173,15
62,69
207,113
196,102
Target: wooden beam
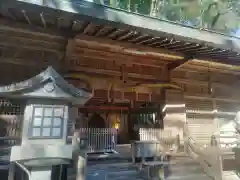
176,64
29,44
198,83
210,98
34,37
112,73
51,33
104,44
205,66
16,61
69,49
118,57
113,65
128,48
125,96
29,63
28,57
104,108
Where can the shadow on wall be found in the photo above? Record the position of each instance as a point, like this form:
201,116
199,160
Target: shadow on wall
3,128
96,121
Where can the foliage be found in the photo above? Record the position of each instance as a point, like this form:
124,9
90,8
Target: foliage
217,15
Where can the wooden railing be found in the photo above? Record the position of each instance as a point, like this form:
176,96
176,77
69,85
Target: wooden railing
209,157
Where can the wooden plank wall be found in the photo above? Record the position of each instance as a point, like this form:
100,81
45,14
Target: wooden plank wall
211,99
174,113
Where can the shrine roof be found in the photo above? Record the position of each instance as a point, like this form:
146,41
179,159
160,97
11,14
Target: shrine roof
77,16
49,75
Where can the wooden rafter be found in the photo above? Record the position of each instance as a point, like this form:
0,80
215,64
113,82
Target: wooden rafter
128,48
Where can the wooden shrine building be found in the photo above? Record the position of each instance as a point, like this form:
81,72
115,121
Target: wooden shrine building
141,71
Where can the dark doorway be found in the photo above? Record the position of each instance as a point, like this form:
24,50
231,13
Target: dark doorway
96,121
59,172
146,115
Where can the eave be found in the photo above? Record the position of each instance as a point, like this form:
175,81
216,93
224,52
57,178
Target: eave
101,21
49,74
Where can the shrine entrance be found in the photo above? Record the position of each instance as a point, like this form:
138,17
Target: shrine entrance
101,138
96,121
146,116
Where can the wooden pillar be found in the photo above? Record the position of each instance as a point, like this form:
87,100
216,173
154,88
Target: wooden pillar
81,166
215,118
79,156
174,113
123,131
11,171
237,118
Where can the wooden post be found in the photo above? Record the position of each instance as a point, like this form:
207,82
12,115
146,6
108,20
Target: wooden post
79,157
218,159
178,141
175,113
81,166
185,137
133,151
11,171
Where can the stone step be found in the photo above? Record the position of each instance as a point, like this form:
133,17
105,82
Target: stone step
189,177
112,158
106,175
182,160
181,170
185,168
123,173
112,167
71,178
113,171
71,173
230,175
71,170
125,178
109,163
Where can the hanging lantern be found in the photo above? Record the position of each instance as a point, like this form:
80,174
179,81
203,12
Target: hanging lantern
116,125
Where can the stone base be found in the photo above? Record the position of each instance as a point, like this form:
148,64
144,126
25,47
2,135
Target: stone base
35,155
43,173
156,172
153,172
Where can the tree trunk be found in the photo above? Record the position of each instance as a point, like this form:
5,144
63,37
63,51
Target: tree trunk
113,3
153,11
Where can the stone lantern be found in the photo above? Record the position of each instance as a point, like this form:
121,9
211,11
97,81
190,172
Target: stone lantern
47,113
